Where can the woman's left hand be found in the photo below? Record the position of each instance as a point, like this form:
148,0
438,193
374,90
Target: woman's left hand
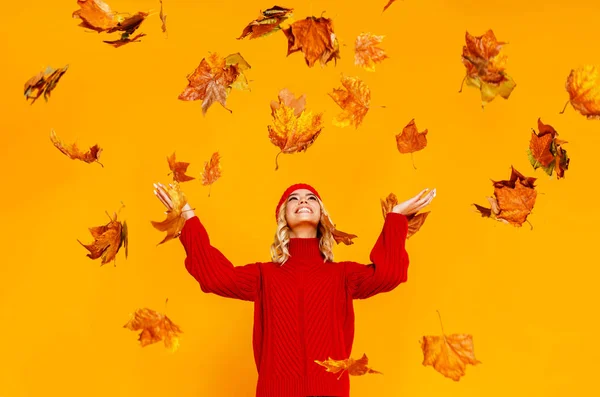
415,204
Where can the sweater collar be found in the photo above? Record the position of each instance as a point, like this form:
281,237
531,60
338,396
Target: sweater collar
305,249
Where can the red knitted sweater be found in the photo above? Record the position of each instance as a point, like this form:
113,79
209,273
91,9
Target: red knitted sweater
302,309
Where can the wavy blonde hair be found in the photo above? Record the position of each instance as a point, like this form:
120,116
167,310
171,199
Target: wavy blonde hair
279,249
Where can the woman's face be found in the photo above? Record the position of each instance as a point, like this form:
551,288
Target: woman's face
302,209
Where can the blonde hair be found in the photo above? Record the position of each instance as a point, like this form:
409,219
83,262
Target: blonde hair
279,249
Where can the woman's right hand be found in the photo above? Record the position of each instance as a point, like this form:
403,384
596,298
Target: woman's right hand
161,192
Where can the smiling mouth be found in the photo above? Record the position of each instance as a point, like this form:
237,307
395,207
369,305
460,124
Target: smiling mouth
304,210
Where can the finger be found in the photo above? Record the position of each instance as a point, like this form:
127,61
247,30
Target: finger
426,203
164,197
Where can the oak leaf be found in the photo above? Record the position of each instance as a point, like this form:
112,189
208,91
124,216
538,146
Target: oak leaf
178,169
366,51
388,4
214,78
485,66
43,83
583,86
73,152
268,22
415,221
354,98
294,128
338,235
354,367
545,151
174,221
212,171
108,240
315,38
155,327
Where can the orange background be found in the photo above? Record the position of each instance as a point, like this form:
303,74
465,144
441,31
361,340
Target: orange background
528,297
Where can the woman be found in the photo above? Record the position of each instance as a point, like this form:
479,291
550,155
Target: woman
302,299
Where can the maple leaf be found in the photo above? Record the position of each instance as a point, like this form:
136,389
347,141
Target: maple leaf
583,86
163,18
267,23
415,221
354,367
338,236
545,151
178,169
43,83
366,51
315,38
155,327
411,140
212,171
354,98
485,66
108,240
125,39
513,199
73,152
449,354
294,128
213,79
174,221
388,4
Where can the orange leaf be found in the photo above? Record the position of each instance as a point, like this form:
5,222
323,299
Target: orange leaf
294,128
174,221
388,4
268,22
545,151
410,139
354,98
125,40
73,152
315,38
354,367
415,221
108,239
367,52
212,170
97,15
213,79
583,86
155,327
178,169
338,236
43,83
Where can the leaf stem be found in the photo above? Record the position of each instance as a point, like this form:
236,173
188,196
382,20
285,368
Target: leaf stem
277,165
442,325
413,160
564,108
462,83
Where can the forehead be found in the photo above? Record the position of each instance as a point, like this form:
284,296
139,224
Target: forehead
302,192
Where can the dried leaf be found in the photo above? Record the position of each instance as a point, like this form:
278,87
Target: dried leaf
545,151
388,4
485,66
178,169
268,22
163,18
583,86
73,152
338,236
97,15
155,327
354,367
294,128
315,38
410,139
125,40
108,239
213,79
212,170
354,98
174,221
367,53
415,221
43,83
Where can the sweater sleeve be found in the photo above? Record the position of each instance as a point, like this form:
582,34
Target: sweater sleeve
389,261
213,271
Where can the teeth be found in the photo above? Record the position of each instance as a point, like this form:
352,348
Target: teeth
304,210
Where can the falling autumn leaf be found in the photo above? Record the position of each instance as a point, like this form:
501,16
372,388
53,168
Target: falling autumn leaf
155,327
108,239
583,86
338,236
163,18
354,367
294,128
485,66
388,4
411,140
366,51
125,39
73,152
545,151
315,38
43,83
415,221
513,199
268,22
174,221
213,79
212,171
354,98
178,169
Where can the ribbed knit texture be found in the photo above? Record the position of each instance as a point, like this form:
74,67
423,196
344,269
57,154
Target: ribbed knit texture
302,309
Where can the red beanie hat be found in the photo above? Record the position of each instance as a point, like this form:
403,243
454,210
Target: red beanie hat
290,190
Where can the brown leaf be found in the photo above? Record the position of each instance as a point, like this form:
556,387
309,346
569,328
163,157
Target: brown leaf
367,52
155,327
97,15
583,86
178,169
315,38
354,98
388,4
354,367
545,151
268,22
163,18
212,170
415,221
410,139
174,221
43,83
73,152
124,40
108,239
339,236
